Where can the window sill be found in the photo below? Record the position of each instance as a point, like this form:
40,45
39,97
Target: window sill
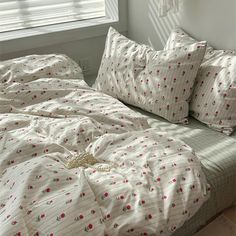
55,34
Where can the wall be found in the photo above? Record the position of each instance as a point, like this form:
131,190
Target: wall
211,20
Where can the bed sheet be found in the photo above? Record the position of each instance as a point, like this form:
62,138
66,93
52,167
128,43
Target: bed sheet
218,157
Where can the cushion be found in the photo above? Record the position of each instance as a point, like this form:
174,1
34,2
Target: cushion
214,96
160,82
29,68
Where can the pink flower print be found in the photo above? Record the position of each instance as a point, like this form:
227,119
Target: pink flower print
45,150
10,162
127,208
88,228
62,216
148,217
115,225
164,197
93,211
105,195
107,217
14,222
130,230
121,197
180,190
30,187
144,234
196,200
82,194
29,212
78,218
47,190
141,202
184,212
69,201
151,189
158,179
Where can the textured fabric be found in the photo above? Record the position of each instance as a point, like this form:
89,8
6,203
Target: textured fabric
29,68
217,153
214,97
159,82
154,185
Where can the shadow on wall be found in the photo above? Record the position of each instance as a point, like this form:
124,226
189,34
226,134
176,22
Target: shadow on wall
162,26
210,20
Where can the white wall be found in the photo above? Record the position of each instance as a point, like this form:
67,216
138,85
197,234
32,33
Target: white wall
211,20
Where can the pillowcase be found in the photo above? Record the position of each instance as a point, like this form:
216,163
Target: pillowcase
214,98
157,81
29,68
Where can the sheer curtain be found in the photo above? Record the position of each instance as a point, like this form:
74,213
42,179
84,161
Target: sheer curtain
21,14
166,5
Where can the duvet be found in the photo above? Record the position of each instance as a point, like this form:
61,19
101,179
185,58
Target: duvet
141,182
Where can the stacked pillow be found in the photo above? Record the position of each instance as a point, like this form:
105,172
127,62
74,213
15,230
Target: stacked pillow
160,82
214,97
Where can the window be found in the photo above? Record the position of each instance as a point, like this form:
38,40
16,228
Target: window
23,14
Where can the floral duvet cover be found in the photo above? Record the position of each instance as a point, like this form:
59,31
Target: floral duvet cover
141,182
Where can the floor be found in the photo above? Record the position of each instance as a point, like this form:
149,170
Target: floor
224,225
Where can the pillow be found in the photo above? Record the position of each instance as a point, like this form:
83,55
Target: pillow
214,98
28,68
157,81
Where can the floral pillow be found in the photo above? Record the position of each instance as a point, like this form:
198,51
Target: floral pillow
160,82
214,97
29,68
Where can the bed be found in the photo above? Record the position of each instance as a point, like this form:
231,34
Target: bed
218,157
76,160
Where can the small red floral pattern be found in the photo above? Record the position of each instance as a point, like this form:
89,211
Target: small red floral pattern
160,82
46,121
214,97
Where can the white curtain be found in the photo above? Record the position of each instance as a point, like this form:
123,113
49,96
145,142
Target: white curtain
167,5
21,14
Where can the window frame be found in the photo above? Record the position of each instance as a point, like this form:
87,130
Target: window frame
25,39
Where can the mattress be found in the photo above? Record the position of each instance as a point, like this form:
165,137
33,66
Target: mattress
217,153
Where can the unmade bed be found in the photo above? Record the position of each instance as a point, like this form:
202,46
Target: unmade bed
217,153
75,160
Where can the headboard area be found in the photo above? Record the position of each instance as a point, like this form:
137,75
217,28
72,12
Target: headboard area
211,20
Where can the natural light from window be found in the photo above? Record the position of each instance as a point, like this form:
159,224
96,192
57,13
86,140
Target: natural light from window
24,14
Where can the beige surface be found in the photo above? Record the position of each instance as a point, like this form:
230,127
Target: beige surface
225,225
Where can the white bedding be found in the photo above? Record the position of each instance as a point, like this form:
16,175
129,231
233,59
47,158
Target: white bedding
154,185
